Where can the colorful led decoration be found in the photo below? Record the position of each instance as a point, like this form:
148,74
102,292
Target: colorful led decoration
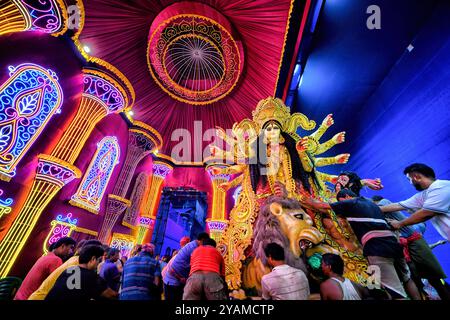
142,140
60,227
137,194
55,171
217,223
123,242
28,100
5,205
145,223
92,188
47,183
194,58
151,203
102,89
48,16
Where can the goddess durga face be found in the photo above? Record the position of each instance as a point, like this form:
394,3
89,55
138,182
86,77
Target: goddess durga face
272,132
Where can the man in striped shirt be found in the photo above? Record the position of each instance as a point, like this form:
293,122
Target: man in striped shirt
207,276
141,276
284,282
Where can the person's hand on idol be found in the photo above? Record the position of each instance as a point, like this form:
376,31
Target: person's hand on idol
221,133
394,223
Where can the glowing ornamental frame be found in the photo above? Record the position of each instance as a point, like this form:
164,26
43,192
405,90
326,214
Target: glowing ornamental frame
28,100
123,242
49,16
93,186
61,227
5,205
56,170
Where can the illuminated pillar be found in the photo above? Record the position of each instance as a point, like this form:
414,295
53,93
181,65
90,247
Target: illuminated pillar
102,95
218,221
136,198
151,204
145,224
142,140
49,16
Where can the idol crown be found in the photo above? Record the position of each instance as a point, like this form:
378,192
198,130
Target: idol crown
271,109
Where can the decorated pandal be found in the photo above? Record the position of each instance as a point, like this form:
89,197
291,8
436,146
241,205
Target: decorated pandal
91,125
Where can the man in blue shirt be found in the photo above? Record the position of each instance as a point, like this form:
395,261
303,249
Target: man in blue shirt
109,271
141,276
177,270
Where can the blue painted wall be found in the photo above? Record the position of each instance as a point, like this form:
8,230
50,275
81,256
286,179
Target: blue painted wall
407,119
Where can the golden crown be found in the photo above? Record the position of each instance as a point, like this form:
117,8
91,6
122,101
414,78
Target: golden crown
271,109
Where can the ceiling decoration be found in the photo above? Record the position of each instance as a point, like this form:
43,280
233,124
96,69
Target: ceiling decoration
231,58
194,57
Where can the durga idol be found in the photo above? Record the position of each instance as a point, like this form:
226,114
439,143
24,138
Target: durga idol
270,157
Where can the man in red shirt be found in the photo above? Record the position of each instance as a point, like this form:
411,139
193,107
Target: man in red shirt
45,265
207,276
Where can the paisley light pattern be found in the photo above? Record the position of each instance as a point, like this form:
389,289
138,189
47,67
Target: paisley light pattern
60,227
5,205
28,100
93,186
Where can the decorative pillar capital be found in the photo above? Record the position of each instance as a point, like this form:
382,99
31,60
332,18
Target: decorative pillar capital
56,171
102,87
144,137
60,227
222,177
146,222
49,16
161,169
117,204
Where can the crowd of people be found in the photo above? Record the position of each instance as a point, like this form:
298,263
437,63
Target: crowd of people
391,241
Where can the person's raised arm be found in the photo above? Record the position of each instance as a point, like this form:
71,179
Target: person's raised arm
314,204
392,207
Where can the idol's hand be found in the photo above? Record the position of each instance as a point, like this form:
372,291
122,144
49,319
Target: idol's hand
224,186
279,189
302,145
339,138
342,158
328,121
216,171
215,151
221,133
374,184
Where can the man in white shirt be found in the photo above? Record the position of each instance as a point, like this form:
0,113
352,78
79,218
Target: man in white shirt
284,282
432,202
